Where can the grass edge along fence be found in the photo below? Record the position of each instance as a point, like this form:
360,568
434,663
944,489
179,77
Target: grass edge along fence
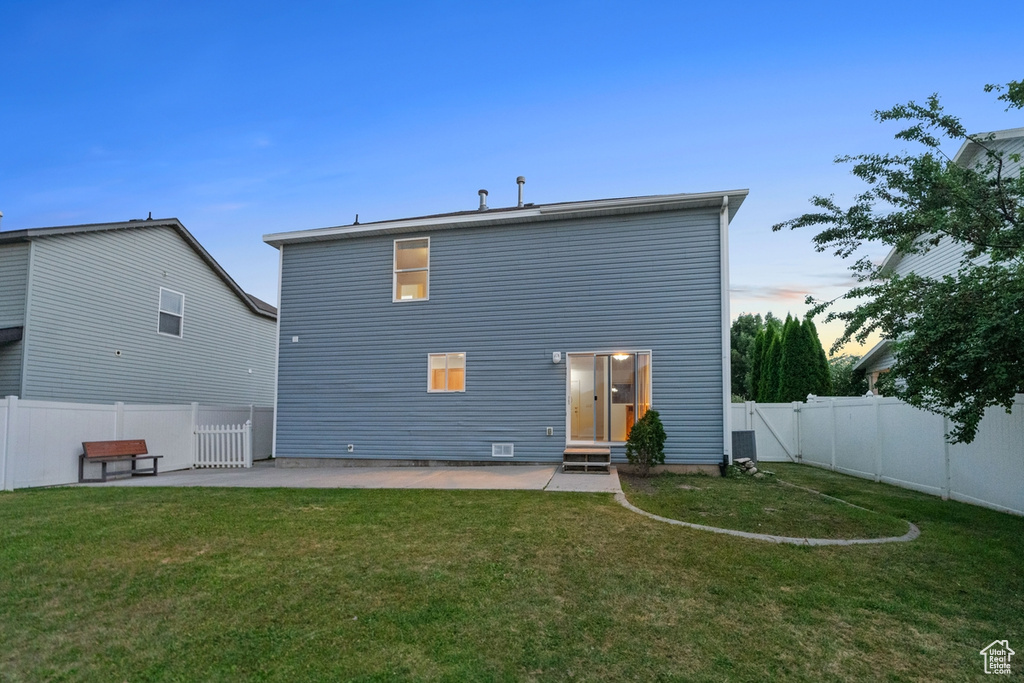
890,441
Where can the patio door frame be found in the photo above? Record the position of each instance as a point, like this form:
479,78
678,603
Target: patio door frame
569,441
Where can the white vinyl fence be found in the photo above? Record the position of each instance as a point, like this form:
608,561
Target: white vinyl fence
891,441
40,440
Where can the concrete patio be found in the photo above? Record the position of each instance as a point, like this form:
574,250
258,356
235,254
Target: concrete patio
265,475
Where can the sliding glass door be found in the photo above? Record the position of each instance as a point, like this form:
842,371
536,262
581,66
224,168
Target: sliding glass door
608,393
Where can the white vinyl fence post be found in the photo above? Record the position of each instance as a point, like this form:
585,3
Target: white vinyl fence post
748,419
832,405
6,440
247,447
879,441
195,437
7,447
119,420
946,487
797,453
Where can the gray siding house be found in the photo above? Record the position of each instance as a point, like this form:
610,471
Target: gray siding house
945,257
507,335
136,312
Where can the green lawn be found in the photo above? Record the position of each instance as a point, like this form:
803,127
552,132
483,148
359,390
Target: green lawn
121,584
764,506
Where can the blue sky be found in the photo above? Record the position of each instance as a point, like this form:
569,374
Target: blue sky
248,118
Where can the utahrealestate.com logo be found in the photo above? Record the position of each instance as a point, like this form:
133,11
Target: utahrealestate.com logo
997,657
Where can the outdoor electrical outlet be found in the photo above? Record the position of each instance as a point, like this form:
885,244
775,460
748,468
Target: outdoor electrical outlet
351,447
551,431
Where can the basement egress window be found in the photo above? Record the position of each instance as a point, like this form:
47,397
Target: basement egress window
172,313
412,269
447,372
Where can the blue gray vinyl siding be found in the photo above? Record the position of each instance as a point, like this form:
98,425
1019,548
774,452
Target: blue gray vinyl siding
14,259
507,297
96,293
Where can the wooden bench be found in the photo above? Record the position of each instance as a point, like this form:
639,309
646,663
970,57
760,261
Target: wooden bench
105,452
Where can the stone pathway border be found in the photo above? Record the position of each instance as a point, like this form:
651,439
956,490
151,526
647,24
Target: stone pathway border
913,533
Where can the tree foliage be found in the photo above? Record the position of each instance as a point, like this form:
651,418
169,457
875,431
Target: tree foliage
821,383
959,339
743,334
795,368
846,382
768,389
803,367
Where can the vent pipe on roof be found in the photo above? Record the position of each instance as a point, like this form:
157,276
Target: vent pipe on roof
520,181
483,200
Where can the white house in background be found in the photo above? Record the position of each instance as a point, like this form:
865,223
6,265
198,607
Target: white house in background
946,256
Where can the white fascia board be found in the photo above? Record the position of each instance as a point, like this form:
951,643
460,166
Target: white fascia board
877,350
525,215
890,261
1006,134
726,331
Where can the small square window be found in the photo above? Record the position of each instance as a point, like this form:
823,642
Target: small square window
446,372
412,269
172,313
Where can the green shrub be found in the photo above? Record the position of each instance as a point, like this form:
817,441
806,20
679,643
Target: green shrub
646,445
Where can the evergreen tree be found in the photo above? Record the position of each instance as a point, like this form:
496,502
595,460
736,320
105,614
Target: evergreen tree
769,390
742,334
794,366
822,384
757,355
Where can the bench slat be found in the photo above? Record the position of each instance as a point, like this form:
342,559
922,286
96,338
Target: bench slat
108,449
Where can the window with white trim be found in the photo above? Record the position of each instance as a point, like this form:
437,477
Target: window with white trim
446,372
172,313
412,269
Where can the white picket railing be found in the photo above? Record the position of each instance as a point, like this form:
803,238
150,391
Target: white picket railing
224,445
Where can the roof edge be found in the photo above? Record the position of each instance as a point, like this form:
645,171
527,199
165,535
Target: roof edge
528,214
1005,134
28,234
877,350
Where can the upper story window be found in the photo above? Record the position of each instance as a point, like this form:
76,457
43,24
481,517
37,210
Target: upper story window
412,269
172,312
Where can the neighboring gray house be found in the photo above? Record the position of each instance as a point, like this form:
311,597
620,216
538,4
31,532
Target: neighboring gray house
136,312
508,335
944,258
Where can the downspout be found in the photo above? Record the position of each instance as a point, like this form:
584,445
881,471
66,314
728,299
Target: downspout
723,221
277,343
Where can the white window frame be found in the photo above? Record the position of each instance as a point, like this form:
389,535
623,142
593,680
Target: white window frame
569,441
465,371
395,271
160,311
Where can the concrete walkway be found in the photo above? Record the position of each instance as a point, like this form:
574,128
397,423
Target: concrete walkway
495,477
